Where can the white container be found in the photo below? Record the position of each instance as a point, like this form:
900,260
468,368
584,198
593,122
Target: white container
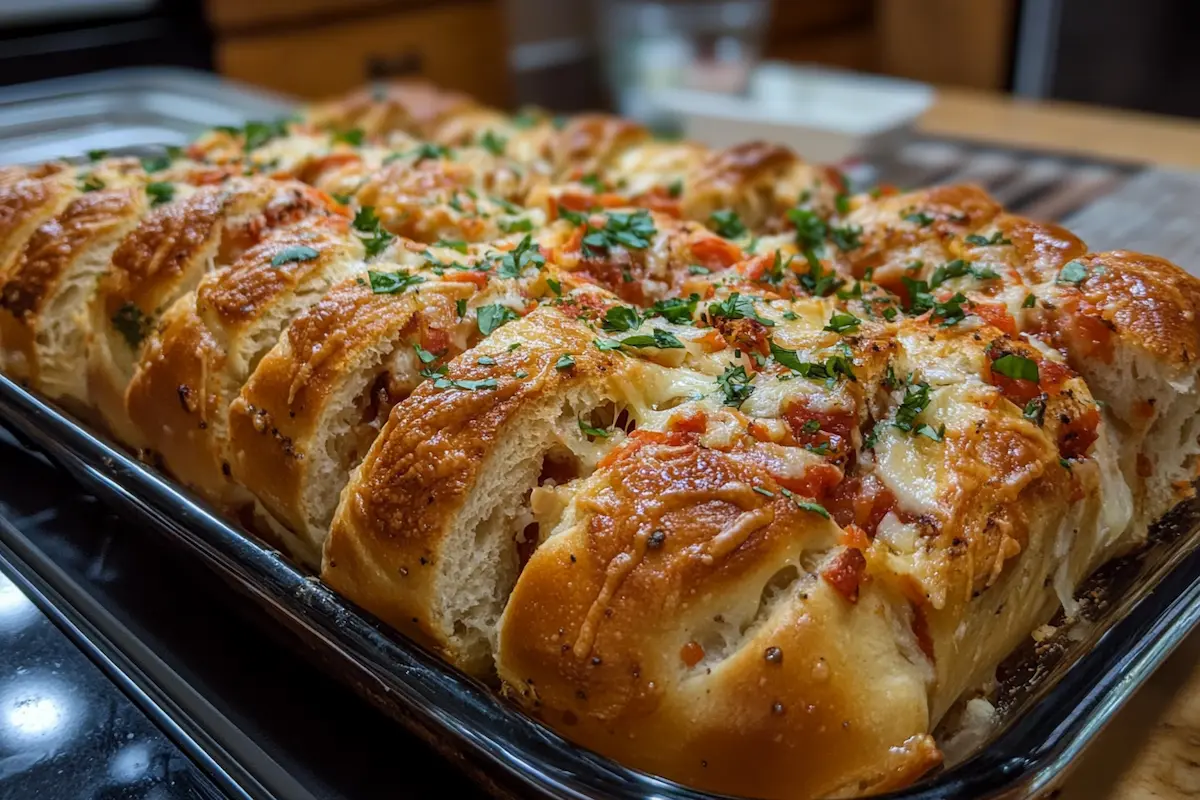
824,114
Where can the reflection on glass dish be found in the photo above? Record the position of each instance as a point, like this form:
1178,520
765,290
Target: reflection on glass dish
34,709
16,611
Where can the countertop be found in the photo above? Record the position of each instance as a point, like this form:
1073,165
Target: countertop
1151,749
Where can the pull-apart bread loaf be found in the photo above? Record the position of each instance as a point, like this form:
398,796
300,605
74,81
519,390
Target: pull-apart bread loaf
710,465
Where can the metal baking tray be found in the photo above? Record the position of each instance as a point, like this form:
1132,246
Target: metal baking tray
1053,698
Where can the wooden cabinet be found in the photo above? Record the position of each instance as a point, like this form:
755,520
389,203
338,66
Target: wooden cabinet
456,45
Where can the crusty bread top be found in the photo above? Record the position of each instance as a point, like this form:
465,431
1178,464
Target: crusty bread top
413,106
55,243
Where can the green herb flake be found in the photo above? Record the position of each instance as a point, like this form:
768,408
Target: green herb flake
675,310
465,385
293,255
1029,302
132,323
843,321
1016,367
376,239
738,307
916,399
660,339
930,433
1073,273
619,319
565,361
734,383
1035,411
491,317
97,155
161,192
493,142
520,225
727,224
588,430
919,218
454,244
392,282
526,254
353,137
423,354
763,492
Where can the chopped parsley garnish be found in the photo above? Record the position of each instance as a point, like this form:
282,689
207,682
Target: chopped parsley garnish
493,142
1016,367
633,230
919,218
90,183
606,344
423,354
466,385
619,319
1029,302
293,255
675,188
811,230
928,432
589,430
376,239
920,300
843,321
817,281
155,163
342,199
565,361
812,426
842,203
593,182
916,400
454,244
675,309
806,505
460,305
696,269
846,238
132,323
727,224
735,384
889,313
392,282
491,317
430,151
525,119
957,269
1073,272
763,492
100,155
787,358
519,225
1065,464
737,307
829,371
555,286
352,137
524,255
984,241
951,312
160,192
1035,410
259,133
486,361
663,340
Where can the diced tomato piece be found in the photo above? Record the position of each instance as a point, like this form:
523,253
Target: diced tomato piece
713,341
817,481
845,572
1052,376
1018,390
714,252
997,316
1078,435
691,653
1089,337
480,279
696,422
833,427
639,439
861,501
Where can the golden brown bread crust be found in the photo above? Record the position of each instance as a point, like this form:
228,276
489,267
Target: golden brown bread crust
51,258
25,204
597,634
292,397
165,257
192,368
395,514
413,106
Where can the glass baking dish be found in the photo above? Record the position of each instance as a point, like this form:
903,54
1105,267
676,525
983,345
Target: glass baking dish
1053,698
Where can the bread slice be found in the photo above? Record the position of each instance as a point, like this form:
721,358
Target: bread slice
44,322
428,532
165,257
211,341
315,403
